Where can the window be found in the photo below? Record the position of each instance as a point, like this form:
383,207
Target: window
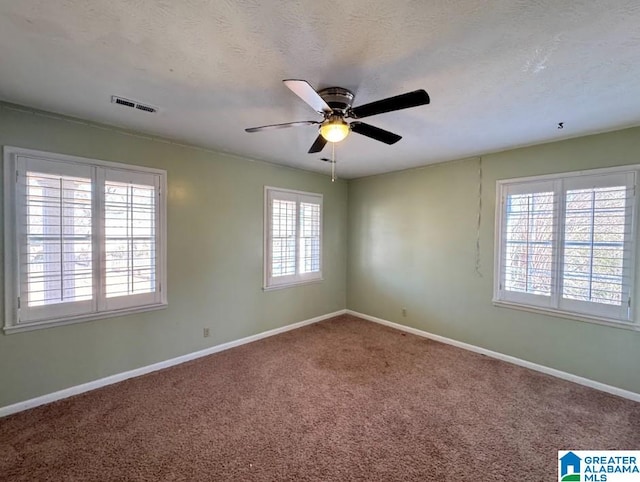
84,239
565,244
293,237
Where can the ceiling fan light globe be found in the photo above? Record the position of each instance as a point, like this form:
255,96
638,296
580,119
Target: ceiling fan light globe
334,131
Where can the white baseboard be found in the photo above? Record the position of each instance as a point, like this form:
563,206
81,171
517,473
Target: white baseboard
507,358
118,377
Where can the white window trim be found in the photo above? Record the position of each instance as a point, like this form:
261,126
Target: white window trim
294,280
11,245
632,324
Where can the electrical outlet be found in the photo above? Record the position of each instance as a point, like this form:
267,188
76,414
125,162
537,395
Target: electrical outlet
205,332
404,312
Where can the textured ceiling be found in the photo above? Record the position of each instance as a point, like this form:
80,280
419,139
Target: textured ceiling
500,73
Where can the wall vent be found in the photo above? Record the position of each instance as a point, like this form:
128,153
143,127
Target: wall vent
133,104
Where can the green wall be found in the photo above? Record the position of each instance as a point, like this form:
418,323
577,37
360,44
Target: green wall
215,259
412,243
410,238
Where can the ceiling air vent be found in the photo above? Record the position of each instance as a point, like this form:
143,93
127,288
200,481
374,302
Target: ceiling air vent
133,104
145,108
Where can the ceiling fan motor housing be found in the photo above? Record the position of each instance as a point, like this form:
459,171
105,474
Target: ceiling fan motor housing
337,98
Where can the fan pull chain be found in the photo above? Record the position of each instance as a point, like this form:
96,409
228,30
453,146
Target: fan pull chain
333,162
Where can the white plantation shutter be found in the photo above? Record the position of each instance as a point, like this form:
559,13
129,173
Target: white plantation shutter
84,239
566,244
130,233
309,256
597,245
293,237
284,222
54,209
528,267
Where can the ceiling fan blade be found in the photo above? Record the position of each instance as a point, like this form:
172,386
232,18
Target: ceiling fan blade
303,89
402,101
281,126
375,133
318,145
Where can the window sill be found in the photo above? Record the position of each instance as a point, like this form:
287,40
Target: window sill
291,285
39,325
570,316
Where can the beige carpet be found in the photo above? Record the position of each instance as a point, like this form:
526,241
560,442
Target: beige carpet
344,399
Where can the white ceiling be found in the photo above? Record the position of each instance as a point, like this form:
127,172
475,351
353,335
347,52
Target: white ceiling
500,73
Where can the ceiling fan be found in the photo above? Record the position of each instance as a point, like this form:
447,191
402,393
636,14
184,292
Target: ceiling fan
334,104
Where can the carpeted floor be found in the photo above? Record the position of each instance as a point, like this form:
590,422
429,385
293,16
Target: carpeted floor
340,400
